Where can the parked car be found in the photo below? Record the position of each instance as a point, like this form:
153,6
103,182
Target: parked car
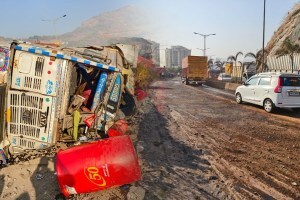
224,77
271,90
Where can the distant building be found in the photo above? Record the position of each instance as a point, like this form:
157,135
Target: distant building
155,53
175,54
150,51
147,49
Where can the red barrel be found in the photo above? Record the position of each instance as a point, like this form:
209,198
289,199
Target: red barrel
97,166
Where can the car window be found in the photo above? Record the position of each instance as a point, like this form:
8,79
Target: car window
291,81
265,81
252,81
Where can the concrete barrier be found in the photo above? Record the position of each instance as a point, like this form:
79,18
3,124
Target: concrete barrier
215,84
231,86
222,85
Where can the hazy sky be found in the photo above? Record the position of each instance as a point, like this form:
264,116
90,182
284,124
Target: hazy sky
236,23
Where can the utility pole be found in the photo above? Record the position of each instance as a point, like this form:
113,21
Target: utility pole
54,23
204,37
263,47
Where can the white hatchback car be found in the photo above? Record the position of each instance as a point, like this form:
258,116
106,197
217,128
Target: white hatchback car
271,90
224,77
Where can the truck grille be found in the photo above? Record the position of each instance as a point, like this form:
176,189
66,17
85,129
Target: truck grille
30,119
39,65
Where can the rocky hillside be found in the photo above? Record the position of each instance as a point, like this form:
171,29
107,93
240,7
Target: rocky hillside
110,27
290,27
5,41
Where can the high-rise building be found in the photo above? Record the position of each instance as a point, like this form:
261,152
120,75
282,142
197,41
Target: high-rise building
175,54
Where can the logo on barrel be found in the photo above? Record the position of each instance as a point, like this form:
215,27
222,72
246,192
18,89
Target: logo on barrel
92,173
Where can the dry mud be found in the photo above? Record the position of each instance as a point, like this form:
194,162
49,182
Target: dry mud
192,143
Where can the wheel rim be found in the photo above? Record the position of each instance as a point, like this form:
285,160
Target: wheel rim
268,106
238,98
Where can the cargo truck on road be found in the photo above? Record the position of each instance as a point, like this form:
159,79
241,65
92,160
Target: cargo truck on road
194,70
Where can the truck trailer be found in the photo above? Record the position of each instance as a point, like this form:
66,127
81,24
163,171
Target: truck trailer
194,70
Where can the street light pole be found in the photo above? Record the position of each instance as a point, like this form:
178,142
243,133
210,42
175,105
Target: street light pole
202,49
54,23
263,47
204,37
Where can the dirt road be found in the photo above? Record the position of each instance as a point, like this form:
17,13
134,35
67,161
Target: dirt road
192,143
200,144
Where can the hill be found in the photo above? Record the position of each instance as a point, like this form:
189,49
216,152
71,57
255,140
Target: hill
290,27
109,27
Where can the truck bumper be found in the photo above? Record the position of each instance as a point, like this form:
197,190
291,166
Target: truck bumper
196,81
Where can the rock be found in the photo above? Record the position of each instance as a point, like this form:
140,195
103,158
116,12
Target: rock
213,178
139,146
17,160
9,184
7,178
136,193
39,176
294,184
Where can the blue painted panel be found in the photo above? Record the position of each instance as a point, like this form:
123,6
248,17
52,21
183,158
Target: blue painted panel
87,62
46,53
60,55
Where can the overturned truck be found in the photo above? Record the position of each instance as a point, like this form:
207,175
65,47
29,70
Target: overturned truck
64,94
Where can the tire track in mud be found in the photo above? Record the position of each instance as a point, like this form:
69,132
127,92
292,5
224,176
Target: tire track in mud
171,167
254,185
242,174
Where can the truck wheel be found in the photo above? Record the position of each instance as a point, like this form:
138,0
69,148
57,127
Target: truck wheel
187,81
268,105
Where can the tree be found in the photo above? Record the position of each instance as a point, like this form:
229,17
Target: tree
260,66
288,48
234,58
144,76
